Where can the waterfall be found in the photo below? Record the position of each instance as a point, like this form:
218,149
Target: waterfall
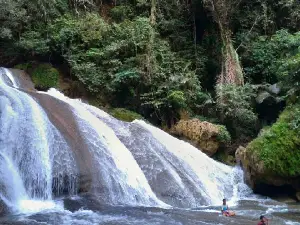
178,173
119,179
29,146
132,164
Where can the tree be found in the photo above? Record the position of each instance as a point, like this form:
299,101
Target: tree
231,70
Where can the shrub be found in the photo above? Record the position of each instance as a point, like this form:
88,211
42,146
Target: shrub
125,115
266,54
45,77
120,13
223,135
235,106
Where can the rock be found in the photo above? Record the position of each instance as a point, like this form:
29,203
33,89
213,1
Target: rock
240,154
274,89
264,96
57,111
298,196
203,135
271,161
268,105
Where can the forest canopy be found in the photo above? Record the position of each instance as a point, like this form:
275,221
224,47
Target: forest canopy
162,59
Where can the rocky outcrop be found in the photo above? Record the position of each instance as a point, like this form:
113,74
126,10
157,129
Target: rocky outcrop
272,161
268,102
240,154
203,135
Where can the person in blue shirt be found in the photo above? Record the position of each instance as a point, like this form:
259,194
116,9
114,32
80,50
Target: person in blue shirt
225,209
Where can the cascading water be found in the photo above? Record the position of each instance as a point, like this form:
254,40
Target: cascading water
52,147
29,147
118,178
179,174
132,163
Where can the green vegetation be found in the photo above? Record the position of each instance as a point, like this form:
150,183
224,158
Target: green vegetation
45,76
236,111
23,66
125,115
160,58
270,58
224,157
224,135
279,146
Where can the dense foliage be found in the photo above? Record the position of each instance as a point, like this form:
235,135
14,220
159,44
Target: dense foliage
161,59
278,146
45,77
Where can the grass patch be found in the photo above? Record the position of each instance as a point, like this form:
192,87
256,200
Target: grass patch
124,114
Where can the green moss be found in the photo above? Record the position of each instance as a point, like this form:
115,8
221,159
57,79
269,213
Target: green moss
45,76
224,135
224,157
23,66
125,115
279,146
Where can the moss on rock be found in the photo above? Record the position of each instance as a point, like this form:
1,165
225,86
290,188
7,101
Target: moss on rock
278,147
202,134
45,76
23,66
224,157
125,115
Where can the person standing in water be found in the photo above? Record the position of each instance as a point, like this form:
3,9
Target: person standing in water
263,221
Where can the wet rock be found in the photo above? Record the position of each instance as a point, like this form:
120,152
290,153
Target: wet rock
203,135
4,210
57,112
24,80
240,154
298,196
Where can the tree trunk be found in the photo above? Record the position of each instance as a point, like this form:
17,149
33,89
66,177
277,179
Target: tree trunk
150,58
231,72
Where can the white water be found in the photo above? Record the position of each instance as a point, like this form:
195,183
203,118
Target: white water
29,144
119,176
10,77
133,163
174,168
215,178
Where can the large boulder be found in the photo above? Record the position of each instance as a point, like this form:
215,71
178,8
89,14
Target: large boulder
268,102
272,161
201,134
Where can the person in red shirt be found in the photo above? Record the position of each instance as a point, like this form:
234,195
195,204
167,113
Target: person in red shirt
263,221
